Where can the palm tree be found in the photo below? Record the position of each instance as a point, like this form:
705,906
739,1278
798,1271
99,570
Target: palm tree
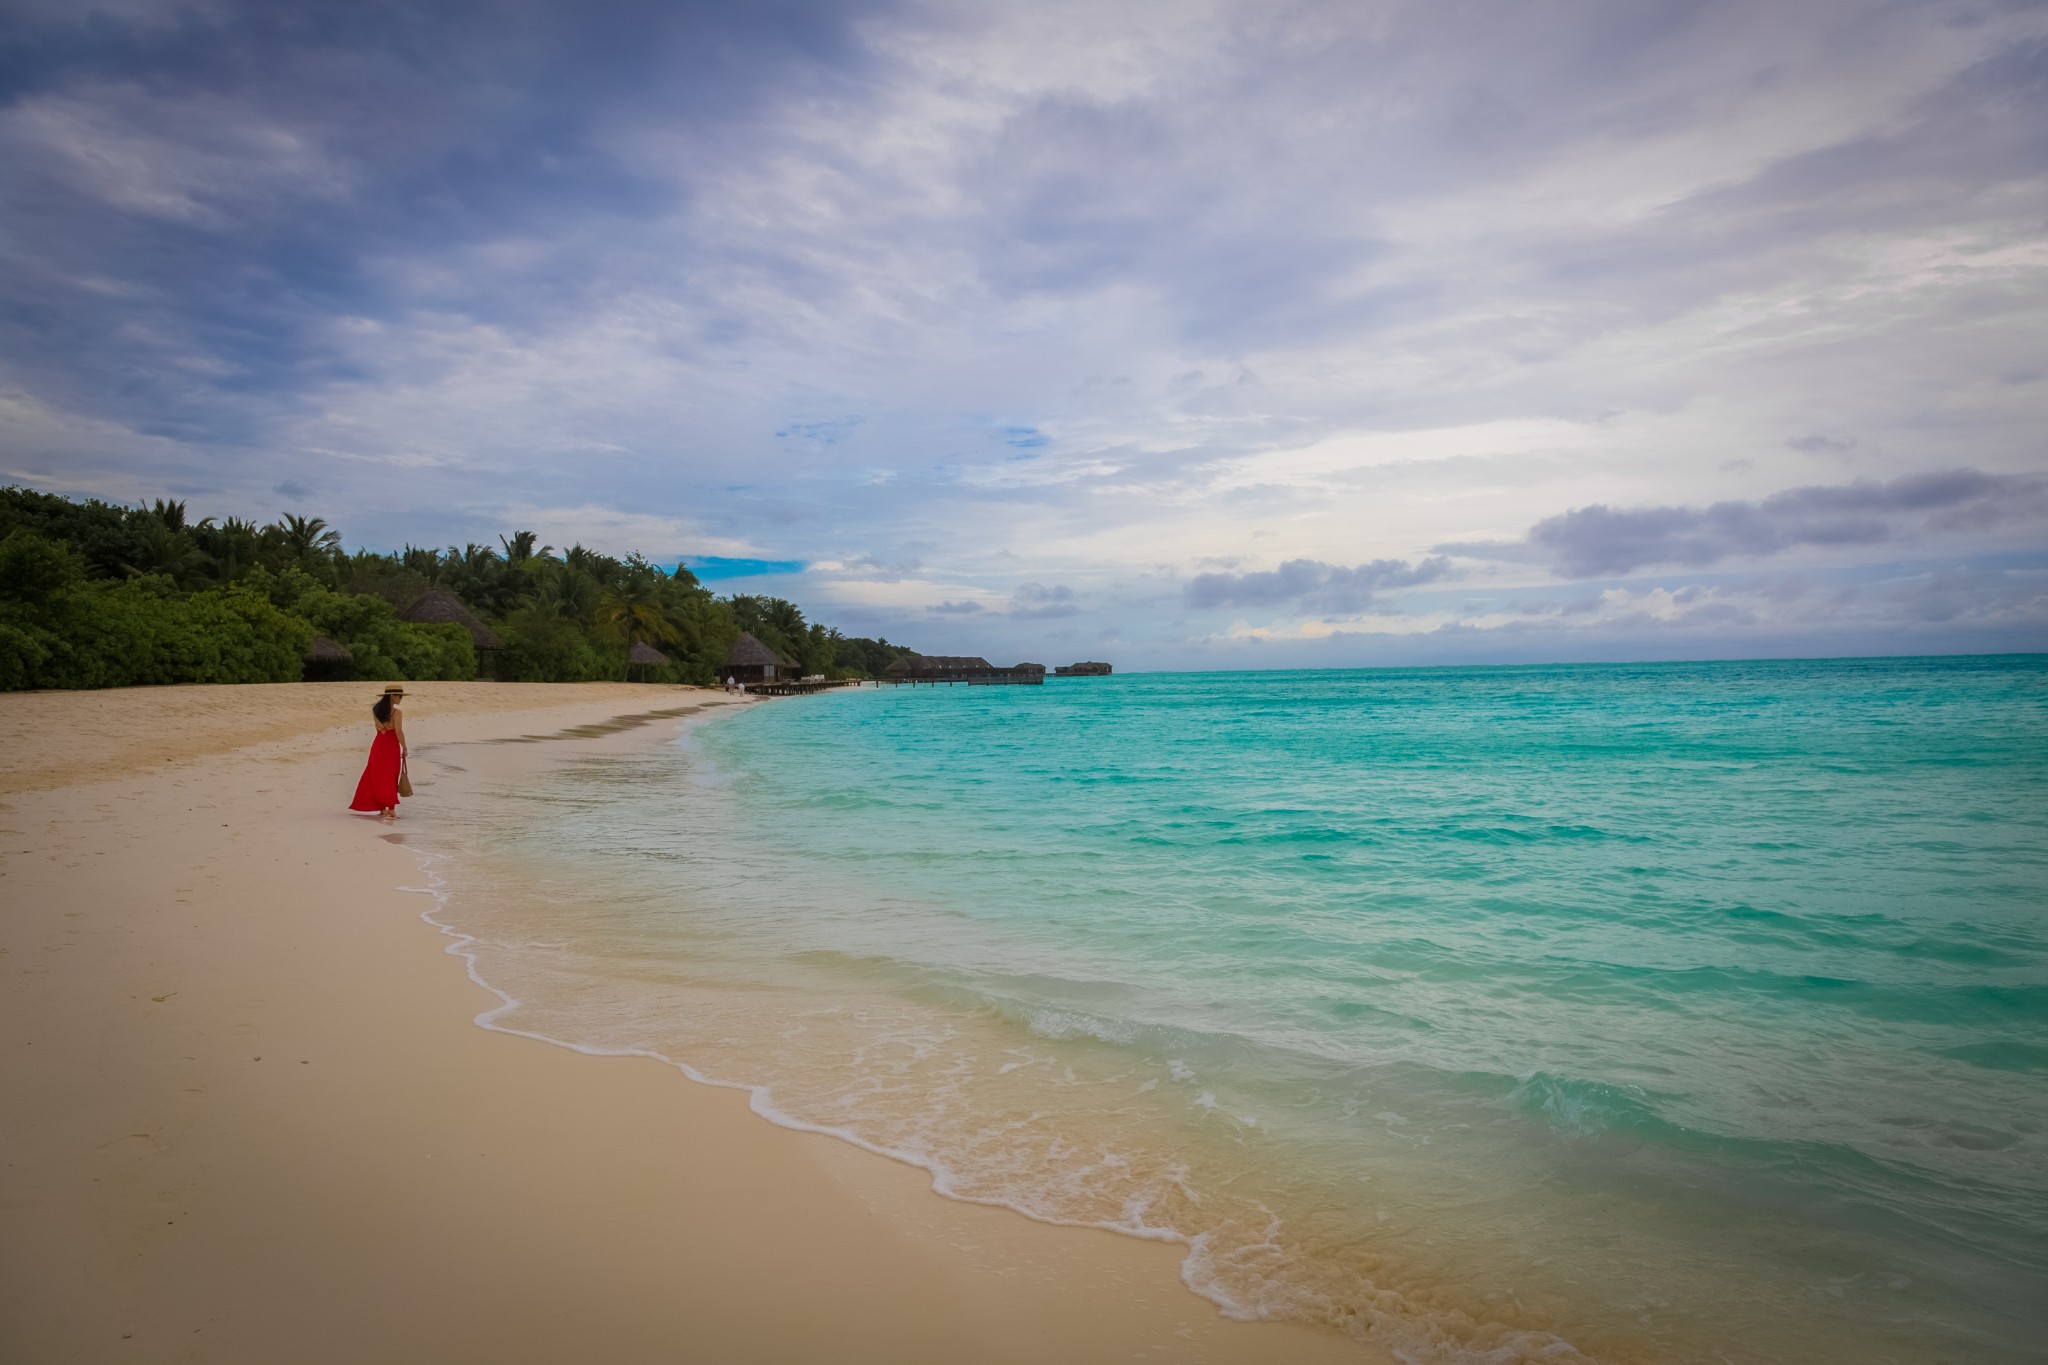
631,612
154,547
231,547
307,537
473,560
776,621
569,595
480,578
603,568
519,549
424,562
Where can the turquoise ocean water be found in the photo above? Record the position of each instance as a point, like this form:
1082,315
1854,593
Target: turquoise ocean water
1690,1012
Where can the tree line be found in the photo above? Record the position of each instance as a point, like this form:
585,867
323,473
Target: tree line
93,594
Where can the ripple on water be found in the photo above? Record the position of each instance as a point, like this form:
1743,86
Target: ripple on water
1678,1012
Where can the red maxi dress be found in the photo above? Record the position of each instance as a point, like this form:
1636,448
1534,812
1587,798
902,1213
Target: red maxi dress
379,787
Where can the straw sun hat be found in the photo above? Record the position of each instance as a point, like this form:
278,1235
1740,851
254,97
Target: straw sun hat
394,691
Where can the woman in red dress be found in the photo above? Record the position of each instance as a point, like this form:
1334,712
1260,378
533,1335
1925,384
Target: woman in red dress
378,791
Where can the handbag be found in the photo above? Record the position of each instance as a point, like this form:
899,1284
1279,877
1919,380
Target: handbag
404,779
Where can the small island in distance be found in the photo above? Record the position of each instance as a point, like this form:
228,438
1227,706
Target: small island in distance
912,668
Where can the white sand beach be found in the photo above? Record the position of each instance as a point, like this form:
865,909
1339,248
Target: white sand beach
246,1115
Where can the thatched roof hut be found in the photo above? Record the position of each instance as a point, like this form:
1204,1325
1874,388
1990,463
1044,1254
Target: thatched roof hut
941,666
327,660
751,661
956,668
441,607
645,655
748,650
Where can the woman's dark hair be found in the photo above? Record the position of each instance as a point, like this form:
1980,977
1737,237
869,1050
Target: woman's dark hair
382,709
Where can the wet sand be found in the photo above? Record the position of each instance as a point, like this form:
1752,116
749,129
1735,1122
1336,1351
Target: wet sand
245,1114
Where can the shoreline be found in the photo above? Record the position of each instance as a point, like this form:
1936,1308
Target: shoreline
551,753
185,896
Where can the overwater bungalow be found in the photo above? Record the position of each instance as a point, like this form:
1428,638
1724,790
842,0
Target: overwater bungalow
959,668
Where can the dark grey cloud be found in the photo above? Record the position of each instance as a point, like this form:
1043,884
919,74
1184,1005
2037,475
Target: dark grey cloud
1309,584
1957,153
966,608
1602,541
1043,602
1078,194
1961,141
195,196
1966,608
296,150
1249,206
1970,596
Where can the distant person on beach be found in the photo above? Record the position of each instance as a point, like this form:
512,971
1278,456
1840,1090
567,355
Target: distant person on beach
731,684
378,790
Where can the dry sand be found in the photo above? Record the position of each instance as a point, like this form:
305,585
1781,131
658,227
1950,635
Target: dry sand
245,1114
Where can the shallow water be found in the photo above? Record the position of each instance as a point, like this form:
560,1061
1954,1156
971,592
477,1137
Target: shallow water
1672,1012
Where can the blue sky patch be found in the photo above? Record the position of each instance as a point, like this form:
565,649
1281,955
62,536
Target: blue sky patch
715,569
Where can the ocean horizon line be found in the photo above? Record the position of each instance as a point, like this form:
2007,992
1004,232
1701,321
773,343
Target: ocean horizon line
1570,663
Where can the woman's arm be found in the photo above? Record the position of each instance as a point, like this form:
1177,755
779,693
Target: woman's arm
398,724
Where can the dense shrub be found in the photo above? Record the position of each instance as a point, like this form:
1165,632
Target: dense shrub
542,647
98,595
382,646
60,629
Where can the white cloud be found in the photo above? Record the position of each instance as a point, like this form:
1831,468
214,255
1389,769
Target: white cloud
1061,294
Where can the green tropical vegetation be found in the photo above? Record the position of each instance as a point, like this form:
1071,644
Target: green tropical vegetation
93,594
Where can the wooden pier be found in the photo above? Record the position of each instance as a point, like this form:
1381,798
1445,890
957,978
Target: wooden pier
795,687
1012,681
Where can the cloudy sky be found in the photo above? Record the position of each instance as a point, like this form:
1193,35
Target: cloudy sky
1184,334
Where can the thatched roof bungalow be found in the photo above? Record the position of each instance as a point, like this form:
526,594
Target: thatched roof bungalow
642,658
916,668
930,667
326,660
441,607
750,661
